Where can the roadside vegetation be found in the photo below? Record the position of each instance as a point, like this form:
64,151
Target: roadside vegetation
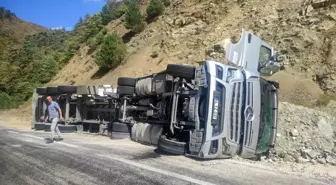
154,9
134,20
112,52
38,58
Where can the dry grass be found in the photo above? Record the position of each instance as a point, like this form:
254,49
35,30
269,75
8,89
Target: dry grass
324,100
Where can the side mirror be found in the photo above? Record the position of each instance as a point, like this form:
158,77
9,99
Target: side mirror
278,57
270,68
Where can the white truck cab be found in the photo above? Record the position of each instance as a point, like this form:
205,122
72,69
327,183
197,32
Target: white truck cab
242,107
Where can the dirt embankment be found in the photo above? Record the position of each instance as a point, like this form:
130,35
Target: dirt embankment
18,119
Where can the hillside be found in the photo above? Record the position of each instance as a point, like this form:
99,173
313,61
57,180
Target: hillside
301,30
13,30
32,58
187,32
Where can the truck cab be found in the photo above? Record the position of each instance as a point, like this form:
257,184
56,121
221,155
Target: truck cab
241,113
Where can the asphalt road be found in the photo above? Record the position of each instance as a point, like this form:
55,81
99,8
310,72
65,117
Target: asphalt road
88,159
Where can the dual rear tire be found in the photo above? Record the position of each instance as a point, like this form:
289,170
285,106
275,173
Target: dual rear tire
54,90
126,86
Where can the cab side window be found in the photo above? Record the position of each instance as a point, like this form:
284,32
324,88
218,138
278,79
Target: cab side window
265,55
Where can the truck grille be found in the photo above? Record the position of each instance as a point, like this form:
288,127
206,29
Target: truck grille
217,124
248,124
235,114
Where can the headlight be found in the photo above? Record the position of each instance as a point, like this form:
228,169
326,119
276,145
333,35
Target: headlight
231,73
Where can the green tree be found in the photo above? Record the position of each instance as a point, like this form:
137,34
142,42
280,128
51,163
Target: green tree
133,18
5,101
92,26
166,2
112,51
94,42
106,14
155,8
87,16
48,68
79,23
121,10
112,10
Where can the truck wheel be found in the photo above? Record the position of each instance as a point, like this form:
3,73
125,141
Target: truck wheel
67,128
41,90
67,89
170,146
62,128
125,81
52,90
82,90
125,90
120,135
121,127
39,126
181,71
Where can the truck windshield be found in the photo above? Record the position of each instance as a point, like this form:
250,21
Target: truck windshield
266,117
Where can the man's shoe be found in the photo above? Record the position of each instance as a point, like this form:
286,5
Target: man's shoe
60,139
48,140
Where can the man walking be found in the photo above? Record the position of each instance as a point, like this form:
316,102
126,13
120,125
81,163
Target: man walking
53,114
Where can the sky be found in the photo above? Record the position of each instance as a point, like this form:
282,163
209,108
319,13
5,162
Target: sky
53,14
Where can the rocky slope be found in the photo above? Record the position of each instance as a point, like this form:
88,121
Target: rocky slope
307,135
191,31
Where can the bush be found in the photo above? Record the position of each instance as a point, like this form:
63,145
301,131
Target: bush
94,42
155,8
121,10
6,101
48,68
166,2
112,52
133,18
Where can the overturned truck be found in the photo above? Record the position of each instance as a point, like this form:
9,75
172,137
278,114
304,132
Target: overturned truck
214,110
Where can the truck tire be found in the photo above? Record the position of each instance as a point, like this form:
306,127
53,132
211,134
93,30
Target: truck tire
39,126
62,128
67,128
52,90
125,90
67,89
41,90
121,127
170,146
82,90
182,71
120,135
125,81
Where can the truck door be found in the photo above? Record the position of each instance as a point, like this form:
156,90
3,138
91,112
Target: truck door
252,54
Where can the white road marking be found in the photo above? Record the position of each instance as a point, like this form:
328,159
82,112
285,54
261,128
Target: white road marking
16,146
157,170
71,145
36,137
60,143
13,132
